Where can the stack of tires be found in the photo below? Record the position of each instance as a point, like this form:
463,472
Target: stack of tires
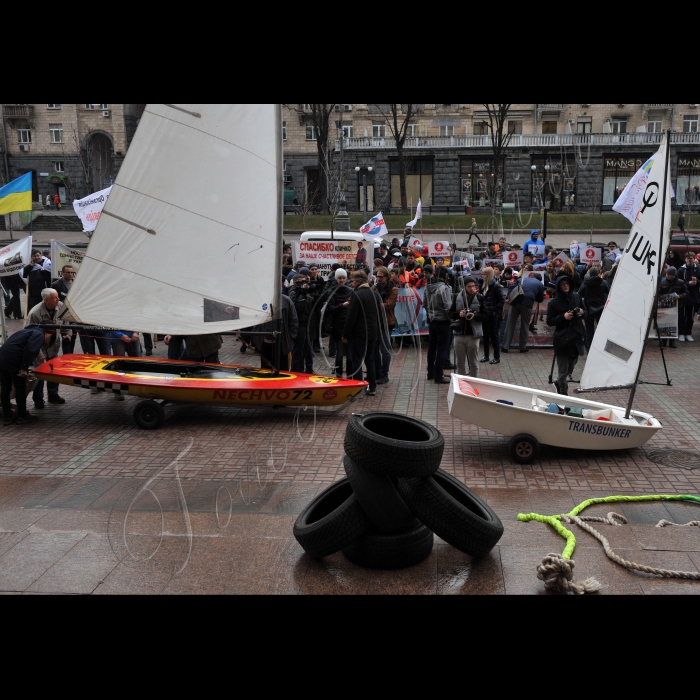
383,514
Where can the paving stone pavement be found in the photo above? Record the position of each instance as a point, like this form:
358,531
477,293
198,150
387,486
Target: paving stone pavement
222,522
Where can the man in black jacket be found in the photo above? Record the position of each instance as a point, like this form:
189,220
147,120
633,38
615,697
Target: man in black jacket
362,329
303,353
62,286
671,285
17,355
565,312
594,292
37,278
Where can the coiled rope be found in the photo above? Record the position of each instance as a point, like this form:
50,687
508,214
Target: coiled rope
557,570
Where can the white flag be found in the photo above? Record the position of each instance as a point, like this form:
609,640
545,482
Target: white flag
90,208
375,228
419,215
630,201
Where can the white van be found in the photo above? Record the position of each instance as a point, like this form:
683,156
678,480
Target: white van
326,236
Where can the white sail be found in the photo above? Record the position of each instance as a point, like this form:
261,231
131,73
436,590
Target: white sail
616,351
187,243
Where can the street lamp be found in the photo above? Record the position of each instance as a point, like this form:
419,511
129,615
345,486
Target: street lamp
364,185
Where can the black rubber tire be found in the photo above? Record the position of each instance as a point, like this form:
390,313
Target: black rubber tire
391,444
523,448
149,415
331,521
380,500
453,512
376,551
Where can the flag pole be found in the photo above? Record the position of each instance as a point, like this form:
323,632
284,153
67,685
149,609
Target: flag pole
3,325
661,258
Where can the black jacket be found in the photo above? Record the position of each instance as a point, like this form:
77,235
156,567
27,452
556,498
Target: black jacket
686,274
21,349
37,279
678,286
362,321
303,303
338,312
60,287
556,310
494,299
594,292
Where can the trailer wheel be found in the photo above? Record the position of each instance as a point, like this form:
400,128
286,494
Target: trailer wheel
149,415
523,448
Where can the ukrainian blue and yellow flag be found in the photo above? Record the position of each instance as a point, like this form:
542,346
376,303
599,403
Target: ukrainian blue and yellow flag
17,195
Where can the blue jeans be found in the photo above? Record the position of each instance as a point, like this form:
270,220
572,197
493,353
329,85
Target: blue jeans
438,345
89,338
38,393
303,353
122,349
363,351
177,349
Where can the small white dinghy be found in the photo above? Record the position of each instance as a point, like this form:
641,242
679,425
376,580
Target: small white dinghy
528,415
615,358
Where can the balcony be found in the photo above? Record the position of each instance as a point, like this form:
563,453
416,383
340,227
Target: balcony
517,141
18,111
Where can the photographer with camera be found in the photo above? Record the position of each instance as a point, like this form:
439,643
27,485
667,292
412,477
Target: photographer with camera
565,312
303,300
468,314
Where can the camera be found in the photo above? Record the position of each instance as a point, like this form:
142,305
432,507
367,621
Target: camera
577,313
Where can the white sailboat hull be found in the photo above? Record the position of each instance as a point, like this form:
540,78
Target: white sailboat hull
527,415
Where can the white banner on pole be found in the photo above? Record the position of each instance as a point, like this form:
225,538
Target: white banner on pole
439,249
590,255
62,255
15,256
513,257
419,215
90,208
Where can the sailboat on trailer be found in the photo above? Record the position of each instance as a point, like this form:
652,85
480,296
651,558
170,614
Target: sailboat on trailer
190,243
614,360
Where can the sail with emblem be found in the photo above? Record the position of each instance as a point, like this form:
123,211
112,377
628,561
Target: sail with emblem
189,240
618,345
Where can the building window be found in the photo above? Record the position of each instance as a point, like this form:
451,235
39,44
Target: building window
515,126
477,176
619,126
310,132
552,182
584,125
59,166
690,124
655,125
549,127
24,136
348,131
96,106
56,133
617,172
688,179
419,182
378,130
284,131
412,131
447,131
53,106
481,128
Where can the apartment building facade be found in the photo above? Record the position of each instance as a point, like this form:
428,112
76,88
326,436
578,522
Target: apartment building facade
71,149
558,154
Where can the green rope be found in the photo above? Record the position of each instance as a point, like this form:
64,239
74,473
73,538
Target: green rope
555,520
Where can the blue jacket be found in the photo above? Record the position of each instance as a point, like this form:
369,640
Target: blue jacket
533,291
116,336
21,349
531,241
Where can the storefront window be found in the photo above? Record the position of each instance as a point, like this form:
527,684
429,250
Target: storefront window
419,182
553,186
477,181
617,172
688,180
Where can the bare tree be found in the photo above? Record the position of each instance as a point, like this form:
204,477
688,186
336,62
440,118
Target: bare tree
321,118
500,138
398,118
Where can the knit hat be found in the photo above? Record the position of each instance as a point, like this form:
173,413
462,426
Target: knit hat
469,279
304,271
670,270
340,273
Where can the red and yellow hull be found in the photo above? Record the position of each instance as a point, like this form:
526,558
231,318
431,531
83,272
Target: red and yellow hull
178,382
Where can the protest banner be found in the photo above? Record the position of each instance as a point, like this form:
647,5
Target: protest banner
666,317
413,242
410,313
439,249
536,249
14,256
90,208
512,257
326,253
614,255
63,255
495,263
590,255
560,260
574,250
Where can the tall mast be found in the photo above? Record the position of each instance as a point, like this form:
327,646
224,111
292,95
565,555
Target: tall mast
277,292
661,257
